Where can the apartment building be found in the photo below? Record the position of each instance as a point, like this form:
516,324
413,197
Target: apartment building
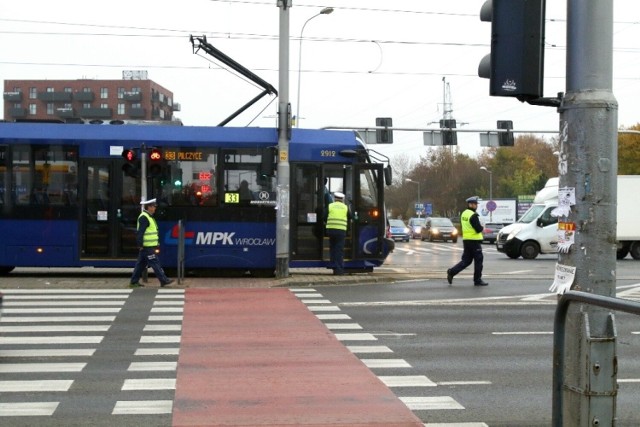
134,97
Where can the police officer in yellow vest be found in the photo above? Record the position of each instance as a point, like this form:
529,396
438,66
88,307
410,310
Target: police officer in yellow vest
148,241
337,218
472,244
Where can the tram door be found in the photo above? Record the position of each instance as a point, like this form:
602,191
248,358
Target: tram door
110,208
309,185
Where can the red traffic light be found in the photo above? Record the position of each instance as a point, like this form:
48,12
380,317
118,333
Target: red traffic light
129,155
155,155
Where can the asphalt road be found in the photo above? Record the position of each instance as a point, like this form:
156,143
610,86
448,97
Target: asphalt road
457,355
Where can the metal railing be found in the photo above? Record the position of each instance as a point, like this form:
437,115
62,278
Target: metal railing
559,324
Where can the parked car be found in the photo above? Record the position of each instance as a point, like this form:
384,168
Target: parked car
415,226
490,232
398,230
439,229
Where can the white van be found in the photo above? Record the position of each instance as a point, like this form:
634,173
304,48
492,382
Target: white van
537,231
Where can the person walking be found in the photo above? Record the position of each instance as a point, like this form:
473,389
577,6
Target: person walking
472,244
337,218
148,241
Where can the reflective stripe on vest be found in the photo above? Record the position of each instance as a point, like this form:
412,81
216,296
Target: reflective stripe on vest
468,232
337,218
150,238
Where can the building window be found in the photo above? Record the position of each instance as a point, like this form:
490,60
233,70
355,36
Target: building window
67,105
17,105
120,109
136,105
33,93
68,90
50,108
86,105
120,92
104,92
136,90
86,89
50,89
104,106
33,109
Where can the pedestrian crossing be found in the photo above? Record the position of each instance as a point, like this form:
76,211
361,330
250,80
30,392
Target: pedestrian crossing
379,358
58,345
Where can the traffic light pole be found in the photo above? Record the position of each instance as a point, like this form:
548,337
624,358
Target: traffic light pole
284,135
588,159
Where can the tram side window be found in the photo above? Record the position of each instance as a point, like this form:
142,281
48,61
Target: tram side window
245,182
45,176
367,194
189,177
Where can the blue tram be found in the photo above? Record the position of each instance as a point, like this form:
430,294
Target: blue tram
69,198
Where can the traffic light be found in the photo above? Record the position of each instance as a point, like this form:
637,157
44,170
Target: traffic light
515,66
384,136
505,139
131,165
449,137
155,162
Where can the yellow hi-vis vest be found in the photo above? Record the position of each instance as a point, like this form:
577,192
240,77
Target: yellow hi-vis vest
150,238
468,232
337,217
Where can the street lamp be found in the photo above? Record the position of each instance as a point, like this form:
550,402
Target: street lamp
484,168
325,11
415,182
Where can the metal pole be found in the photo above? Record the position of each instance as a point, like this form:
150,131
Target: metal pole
284,135
325,11
588,124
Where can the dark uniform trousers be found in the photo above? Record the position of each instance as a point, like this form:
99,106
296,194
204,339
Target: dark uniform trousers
472,253
336,249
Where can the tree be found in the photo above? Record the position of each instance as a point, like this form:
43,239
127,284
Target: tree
629,152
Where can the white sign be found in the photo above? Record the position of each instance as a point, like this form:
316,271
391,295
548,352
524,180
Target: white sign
504,213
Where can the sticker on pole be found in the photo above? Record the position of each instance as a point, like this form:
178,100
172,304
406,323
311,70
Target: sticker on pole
565,274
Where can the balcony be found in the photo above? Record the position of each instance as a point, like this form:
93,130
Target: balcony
17,113
96,113
55,96
65,112
13,96
84,96
132,96
176,106
137,113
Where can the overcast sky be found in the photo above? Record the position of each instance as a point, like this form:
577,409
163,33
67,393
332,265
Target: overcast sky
367,59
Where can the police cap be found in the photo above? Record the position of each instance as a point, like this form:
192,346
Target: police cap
473,199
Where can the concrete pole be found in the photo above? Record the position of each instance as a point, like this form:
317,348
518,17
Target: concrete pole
284,135
588,124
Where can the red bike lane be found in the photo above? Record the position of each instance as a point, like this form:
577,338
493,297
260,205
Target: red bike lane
259,357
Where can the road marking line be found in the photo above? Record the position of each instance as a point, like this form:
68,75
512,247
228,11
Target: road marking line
148,328
333,316
524,333
308,295
343,326
385,363
323,308
12,368
48,352
51,319
446,383
294,290
153,366
149,339
157,351
55,328
66,291
35,386
165,318
53,340
407,381
28,409
430,403
315,301
149,384
369,349
629,380
59,310
356,337
167,309
64,297
161,303
142,407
